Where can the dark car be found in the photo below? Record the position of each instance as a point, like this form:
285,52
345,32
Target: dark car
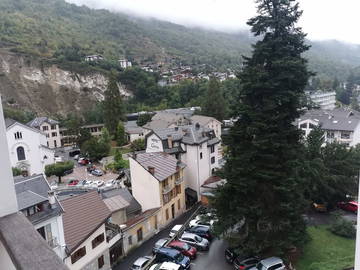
74,153
166,254
184,248
202,231
68,171
230,255
245,263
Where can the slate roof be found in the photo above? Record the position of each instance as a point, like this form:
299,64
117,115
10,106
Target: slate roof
38,121
134,206
132,128
164,119
83,215
337,119
9,122
165,164
202,119
31,191
116,203
26,247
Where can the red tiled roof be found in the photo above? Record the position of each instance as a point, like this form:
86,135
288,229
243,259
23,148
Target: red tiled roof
141,217
83,215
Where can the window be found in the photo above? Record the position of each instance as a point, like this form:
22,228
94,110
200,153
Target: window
304,125
345,135
167,214
18,135
20,153
178,190
139,234
179,204
101,261
55,143
130,240
53,127
53,134
45,128
201,155
330,135
47,136
81,252
212,149
97,240
212,160
311,126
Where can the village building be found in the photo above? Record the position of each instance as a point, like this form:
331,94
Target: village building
51,129
209,122
28,148
124,63
94,57
134,132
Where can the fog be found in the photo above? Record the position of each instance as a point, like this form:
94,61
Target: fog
322,19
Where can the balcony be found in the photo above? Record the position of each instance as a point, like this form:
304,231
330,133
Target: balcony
166,189
179,180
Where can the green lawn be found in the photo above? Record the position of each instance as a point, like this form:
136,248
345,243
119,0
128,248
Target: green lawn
326,251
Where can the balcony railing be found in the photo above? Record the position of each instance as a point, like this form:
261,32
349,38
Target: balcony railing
53,243
166,189
179,180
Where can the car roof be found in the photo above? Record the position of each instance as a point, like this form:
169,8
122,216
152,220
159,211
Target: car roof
140,261
353,202
176,227
188,234
170,266
271,261
200,228
161,242
177,243
169,251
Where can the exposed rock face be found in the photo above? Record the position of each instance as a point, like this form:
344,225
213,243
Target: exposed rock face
24,83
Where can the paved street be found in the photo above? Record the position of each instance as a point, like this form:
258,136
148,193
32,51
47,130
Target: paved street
211,260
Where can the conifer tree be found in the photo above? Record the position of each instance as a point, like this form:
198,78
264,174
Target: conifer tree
214,104
264,187
113,105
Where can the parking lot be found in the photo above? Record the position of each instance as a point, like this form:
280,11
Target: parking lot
80,173
213,259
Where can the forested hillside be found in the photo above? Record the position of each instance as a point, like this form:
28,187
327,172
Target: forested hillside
52,28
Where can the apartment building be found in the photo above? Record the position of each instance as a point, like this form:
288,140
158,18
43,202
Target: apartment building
326,100
51,129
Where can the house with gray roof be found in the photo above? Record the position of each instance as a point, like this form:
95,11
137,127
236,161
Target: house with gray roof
340,125
167,119
51,129
40,205
134,132
195,145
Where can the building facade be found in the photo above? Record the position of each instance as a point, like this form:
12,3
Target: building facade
28,148
209,122
326,100
51,129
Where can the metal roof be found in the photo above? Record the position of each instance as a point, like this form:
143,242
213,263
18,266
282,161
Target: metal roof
134,206
38,121
116,203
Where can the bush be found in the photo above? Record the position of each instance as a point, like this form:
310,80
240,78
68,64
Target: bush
16,171
343,227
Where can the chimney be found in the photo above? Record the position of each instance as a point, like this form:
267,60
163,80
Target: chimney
197,126
176,128
151,170
51,198
178,165
170,141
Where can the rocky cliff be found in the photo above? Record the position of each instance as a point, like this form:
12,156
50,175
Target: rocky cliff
46,90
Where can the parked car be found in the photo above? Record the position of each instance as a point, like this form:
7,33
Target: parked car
53,186
81,183
98,183
68,171
76,157
203,231
201,220
140,263
165,254
230,255
349,206
165,266
90,168
273,263
195,241
73,182
83,161
97,172
74,153
184,248
320,207
175,230
160,243
88,183
245,263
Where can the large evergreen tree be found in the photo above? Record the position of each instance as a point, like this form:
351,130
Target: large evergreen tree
264,187
113,105
214,104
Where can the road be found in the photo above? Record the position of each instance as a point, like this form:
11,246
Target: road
210,260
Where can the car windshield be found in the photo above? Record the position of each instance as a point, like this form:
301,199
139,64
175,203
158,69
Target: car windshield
198,238
260,266
179,257
186,246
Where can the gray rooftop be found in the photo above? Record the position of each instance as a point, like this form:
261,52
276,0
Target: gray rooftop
25,246
131,127
38,121
133,208
338,119
9,122
164,119
164,164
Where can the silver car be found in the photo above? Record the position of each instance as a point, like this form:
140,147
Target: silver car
273,263
140,263
195,241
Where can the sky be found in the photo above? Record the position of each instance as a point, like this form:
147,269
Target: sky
322,19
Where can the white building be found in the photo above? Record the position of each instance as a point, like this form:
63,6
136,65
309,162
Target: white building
196,146
209,122
51,129
95,57
28,148
124,63
134,132
340,125
39,204
326,100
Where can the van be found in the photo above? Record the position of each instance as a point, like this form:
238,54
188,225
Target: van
175,230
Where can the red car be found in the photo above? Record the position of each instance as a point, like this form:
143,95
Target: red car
73,182
349,206
184,248
83,161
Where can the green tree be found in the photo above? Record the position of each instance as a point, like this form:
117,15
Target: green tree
264,188
105,136
119,162
143,119
16,171
214,104
84,135
58,169
95,148
120,134
113,105
137,145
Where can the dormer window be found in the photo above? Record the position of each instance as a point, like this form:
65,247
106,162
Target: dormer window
18,135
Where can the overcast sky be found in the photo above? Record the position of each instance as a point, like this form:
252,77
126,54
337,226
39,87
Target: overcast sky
322,19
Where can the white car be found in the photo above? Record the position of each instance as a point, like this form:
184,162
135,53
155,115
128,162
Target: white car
97,183
53,186
201,220
175,230
273,263
195,241
165,266
88,183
